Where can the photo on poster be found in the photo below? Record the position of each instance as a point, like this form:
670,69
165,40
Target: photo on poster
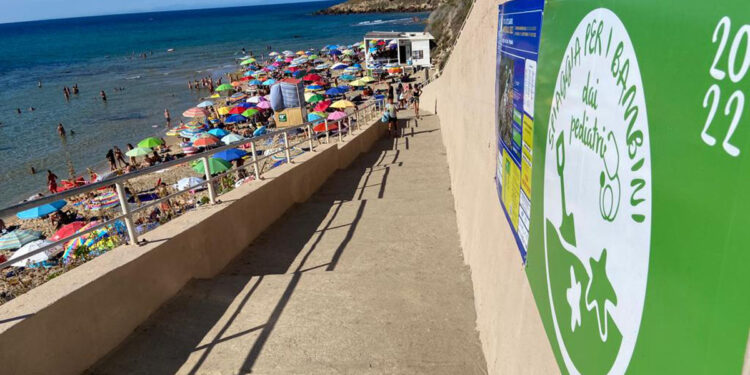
505,71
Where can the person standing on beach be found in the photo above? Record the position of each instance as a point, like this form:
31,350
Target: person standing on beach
167,117
111,159
132,158
51,182
118,156
61,130
103,95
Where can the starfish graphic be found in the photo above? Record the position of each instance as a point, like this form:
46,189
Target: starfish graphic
599,291
573,295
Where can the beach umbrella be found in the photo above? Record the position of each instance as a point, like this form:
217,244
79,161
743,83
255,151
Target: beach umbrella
230,154
269,82
36,258
334,91
254,99
223,110
322,127
245,105
187,183
41,211
255,82
322,66
322,105
218,132
238,95
312,77
138,151
334,52
103,201
273,54
314,87
367,79
340,104
215,165
231,138
335,116
67,230
150,142
215,96
338,66
315,98
236,110
250,112
248,74
224,87
190,133
205,140
236,84
347,77
195,112
347,52
248,61
264,105
314,116
205,104
89,240
233,119
18,238
260,131
357,83
352,69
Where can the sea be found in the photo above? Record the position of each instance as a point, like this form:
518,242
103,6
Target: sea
106,53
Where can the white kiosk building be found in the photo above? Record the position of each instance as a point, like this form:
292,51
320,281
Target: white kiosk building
398,48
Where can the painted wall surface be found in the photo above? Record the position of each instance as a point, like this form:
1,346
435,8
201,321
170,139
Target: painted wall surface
638,257
643,231
512,334
424,46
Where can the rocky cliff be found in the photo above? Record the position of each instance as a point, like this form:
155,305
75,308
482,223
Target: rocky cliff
381,6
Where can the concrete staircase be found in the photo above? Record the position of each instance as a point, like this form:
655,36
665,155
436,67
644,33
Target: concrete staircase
366,277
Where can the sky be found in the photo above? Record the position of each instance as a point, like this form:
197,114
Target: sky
32,10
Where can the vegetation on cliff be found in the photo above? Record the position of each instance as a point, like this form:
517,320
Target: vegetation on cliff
381,6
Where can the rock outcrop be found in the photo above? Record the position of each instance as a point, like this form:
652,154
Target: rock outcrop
381,6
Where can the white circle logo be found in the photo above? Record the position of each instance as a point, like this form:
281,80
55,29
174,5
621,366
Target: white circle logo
597,198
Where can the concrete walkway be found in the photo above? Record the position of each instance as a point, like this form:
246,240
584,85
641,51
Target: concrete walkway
365,278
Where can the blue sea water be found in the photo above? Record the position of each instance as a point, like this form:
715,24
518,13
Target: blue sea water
102,53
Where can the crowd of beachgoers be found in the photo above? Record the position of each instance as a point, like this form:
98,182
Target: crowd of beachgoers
335,83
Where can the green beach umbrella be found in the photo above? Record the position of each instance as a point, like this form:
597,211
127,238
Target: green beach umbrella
139,151
250,112
150,142
215,165
315,98
225,87
248,61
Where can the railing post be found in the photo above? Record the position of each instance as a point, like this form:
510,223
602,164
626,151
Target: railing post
255,160
286,148
310,136
132,236
338,125
349,124
211,191
327,135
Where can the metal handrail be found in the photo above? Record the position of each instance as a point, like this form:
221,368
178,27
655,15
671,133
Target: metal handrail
117,181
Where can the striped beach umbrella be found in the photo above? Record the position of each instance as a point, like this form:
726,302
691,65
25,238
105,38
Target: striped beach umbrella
195,112
103,201
18,238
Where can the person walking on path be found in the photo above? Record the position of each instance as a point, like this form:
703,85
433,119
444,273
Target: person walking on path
415,99
390,113
51,182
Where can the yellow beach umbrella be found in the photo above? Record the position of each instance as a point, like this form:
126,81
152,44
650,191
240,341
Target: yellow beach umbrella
300,52
340,104
215,96
367,79
357,83
224,111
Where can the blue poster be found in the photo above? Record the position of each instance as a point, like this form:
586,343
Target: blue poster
519,28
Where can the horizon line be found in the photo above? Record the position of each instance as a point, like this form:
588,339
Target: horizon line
165,10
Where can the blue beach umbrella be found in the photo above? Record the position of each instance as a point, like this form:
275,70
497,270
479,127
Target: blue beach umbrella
235,119
254,82
339,66
205,104
269,82
42,210
347,77
260,131
335,91
314,87
218,132
231,154
314,117
334,52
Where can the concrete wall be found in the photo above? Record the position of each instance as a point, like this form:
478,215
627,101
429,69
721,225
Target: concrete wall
511,330
65,325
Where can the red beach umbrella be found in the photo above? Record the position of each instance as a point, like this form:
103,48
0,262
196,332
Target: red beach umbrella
237,110
68,230
322,106
206,141
322,127
311,77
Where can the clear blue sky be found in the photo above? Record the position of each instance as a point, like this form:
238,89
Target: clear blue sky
30,10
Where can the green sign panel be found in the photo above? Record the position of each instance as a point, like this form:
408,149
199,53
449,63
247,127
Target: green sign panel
639,245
